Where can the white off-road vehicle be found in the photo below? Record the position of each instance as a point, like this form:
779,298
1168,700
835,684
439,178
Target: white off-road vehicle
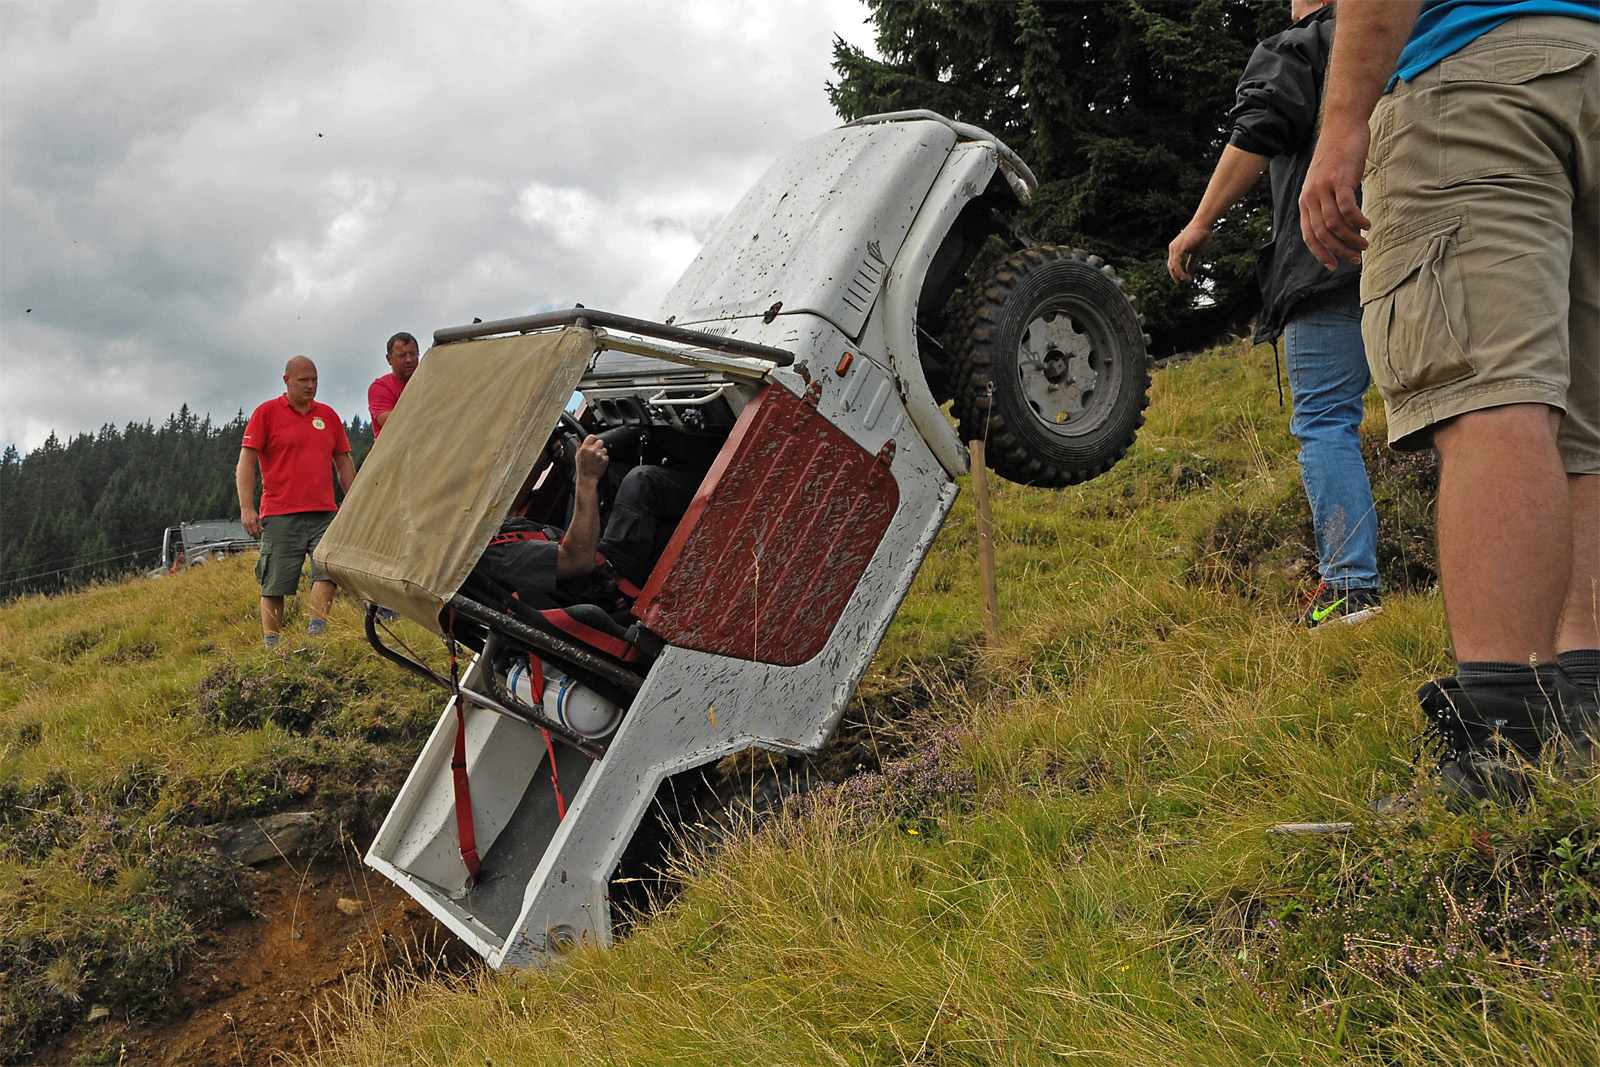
801,362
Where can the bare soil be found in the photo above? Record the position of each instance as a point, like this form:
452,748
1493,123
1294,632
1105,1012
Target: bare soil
255,984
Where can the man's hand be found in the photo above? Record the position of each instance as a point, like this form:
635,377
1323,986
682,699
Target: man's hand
1184,251
592,459
1367,39
345,469
1330,218
251,521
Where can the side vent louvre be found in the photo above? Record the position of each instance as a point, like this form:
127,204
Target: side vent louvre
863,288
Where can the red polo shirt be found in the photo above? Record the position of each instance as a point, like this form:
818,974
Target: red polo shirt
296,455
382,395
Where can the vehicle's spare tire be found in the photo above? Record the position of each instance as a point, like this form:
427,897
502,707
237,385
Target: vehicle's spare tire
1051,373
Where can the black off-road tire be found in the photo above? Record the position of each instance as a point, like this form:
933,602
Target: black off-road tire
1052,371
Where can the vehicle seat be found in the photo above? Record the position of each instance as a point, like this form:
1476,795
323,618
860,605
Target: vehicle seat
587,624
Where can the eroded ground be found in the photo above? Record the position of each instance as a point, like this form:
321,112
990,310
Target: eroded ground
267,984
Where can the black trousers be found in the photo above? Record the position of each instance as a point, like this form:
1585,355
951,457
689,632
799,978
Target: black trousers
649,504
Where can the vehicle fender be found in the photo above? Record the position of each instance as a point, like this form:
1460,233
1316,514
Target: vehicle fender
965,176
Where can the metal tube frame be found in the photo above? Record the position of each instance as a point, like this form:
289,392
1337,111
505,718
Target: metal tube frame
392,656
587,317
563,652
500,701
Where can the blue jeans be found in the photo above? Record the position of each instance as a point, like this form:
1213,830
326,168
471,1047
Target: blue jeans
1328,374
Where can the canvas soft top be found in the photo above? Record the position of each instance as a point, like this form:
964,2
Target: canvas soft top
465,433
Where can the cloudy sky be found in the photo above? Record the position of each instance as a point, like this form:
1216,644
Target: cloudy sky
192,192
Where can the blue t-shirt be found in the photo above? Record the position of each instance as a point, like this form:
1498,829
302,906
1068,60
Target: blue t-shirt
1446,27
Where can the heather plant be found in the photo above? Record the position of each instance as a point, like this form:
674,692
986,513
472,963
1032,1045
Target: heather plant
285,694
915,791
1265,547
1489,913
1403,488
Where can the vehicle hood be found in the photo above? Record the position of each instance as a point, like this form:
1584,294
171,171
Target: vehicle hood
817,233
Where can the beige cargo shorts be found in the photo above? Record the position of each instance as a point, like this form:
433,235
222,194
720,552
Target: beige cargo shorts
1482,284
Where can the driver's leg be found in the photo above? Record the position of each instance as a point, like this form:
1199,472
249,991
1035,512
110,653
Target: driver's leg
650,502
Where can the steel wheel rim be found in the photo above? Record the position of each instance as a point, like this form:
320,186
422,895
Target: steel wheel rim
1067,368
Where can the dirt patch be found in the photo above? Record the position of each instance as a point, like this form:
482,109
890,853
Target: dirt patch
255,983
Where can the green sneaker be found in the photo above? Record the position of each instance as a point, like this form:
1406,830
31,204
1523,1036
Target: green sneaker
1331,603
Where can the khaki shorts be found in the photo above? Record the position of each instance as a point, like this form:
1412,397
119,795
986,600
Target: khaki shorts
286,541
1482,284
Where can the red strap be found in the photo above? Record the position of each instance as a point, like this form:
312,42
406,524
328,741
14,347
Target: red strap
629,590
519,536
561,803
458,765
587,634
536,692
536,680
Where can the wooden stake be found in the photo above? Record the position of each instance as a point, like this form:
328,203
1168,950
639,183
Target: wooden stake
991,592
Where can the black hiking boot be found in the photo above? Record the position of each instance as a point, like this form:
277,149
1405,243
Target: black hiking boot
1577,730
1488,737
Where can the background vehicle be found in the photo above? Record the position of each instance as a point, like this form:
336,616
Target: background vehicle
801,360
192,543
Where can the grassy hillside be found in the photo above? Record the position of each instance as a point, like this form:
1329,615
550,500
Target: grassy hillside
133,714
1074,865
1068,860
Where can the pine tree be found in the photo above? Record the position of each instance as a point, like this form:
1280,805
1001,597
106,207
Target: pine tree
99,504
1118,107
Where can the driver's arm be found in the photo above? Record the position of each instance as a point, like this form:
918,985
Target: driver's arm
582,538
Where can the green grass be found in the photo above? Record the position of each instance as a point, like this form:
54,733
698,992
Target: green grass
1068,863
130,715
1075,866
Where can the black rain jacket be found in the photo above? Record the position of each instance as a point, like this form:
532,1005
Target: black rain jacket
1275,114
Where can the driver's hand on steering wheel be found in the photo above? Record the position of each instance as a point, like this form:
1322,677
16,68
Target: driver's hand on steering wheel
592,458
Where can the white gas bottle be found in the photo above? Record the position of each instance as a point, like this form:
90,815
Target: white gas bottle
566,700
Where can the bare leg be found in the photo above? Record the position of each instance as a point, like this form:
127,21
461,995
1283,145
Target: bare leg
1505,532
321,599
1580,626
271,614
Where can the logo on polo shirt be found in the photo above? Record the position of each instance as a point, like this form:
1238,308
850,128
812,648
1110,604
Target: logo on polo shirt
317,423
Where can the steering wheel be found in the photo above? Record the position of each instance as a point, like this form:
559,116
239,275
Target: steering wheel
570,423
568,436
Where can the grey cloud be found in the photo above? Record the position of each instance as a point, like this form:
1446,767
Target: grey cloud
179,228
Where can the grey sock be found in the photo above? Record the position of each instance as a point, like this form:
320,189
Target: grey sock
316,626
1537,684
1582,666
269,639
1483,670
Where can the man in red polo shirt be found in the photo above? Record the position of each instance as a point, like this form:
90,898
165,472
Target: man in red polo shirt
298,444
384,393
